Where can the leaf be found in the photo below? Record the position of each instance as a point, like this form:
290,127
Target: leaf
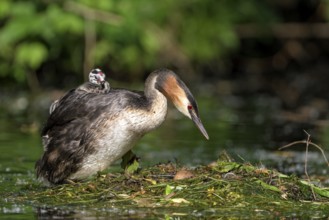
19,74
123,196
150,41
4,8
153,182
180,200
130,162
15,30
321,191
168,190
267,186
225,167
31,54
23,9
132,168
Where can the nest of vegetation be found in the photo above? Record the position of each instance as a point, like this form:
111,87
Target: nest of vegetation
224,184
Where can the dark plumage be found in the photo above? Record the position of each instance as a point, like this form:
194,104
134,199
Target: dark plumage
88,131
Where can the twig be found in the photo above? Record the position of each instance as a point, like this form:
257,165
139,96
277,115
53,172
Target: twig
308,143
306,154
33,81
305,165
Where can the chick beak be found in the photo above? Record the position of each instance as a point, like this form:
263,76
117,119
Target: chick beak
197,121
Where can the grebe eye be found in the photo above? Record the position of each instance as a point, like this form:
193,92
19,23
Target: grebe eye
189,107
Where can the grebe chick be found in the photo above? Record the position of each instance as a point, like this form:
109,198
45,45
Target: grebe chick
96,84
88,132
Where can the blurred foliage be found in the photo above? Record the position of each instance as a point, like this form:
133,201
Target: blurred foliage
48,38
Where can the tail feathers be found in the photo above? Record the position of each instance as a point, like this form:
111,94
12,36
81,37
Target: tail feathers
51,174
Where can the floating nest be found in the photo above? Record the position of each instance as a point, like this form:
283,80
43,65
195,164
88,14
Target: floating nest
223,185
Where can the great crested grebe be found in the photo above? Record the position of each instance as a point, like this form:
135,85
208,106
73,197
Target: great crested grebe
88,131
96,84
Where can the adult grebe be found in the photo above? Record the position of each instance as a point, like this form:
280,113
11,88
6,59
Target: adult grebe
89,131
96,84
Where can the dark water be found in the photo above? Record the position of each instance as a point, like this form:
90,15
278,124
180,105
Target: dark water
249,130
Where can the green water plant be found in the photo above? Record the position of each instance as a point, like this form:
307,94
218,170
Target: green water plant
220,185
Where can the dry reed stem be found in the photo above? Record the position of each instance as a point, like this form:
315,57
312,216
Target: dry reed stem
307,142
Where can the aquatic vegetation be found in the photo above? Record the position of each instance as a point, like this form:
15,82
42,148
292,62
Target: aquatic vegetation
221,186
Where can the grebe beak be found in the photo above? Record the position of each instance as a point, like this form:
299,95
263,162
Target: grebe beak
197,121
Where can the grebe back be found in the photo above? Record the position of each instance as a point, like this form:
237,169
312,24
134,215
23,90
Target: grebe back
96,84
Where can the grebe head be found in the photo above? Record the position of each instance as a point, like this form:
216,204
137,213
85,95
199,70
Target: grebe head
96,76
175,90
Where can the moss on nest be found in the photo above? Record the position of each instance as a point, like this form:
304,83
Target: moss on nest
220,185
